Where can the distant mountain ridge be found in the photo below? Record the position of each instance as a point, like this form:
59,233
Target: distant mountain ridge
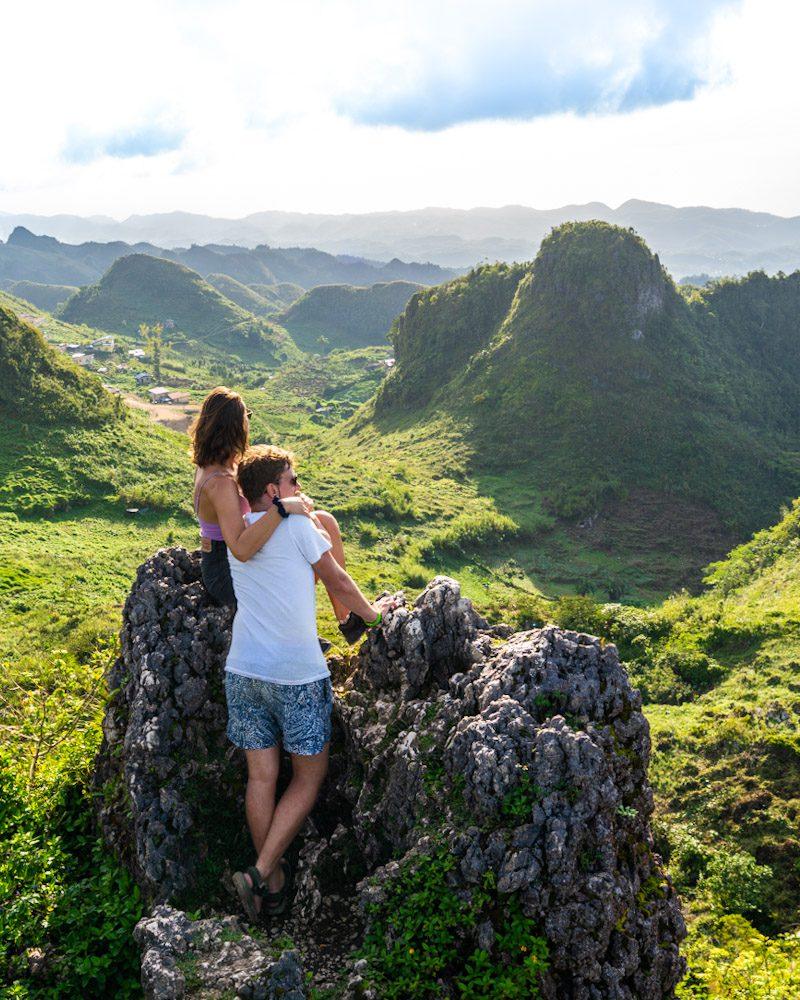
45,260
719,241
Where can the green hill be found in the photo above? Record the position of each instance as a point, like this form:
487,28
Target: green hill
39,384
142,289
242,295
346,317
47,297
591,371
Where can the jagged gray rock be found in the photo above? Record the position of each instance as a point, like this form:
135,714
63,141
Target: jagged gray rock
210,958
527,758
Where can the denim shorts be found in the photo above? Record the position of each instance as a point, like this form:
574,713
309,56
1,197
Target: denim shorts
260,713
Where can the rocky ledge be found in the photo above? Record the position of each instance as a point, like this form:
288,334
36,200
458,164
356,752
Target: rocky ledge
487,810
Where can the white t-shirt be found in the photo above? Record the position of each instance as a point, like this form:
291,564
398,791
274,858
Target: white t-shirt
275,626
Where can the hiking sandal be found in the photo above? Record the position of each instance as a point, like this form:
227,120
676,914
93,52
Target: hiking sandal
353,627
276,903
247,891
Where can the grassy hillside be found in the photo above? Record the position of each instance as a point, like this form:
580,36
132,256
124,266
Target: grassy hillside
44,296
589,370
241,294
143,289
720,674
42,386
341,316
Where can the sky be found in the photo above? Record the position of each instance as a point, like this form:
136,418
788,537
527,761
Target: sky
227,107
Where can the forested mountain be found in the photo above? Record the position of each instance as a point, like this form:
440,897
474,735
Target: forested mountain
590,370
143,289
341,316
27,257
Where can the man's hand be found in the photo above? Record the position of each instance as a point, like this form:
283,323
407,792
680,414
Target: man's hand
297,505
386,603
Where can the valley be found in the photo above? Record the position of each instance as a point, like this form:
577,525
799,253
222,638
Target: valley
575,439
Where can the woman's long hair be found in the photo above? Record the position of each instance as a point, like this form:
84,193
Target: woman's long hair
220,434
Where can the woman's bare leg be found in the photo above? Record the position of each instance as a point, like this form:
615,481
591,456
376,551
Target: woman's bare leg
331,525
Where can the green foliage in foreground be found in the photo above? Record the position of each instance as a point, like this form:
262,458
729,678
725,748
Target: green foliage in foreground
414,935
67,908
730,960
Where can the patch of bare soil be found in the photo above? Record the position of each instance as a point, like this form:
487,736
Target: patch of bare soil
177,418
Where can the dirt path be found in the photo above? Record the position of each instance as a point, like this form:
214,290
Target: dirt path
177,418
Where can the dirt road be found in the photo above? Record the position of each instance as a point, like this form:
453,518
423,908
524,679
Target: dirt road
177,418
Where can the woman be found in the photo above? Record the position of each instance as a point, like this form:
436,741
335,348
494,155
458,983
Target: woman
220,437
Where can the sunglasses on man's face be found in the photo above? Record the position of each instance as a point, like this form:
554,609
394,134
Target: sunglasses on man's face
293,478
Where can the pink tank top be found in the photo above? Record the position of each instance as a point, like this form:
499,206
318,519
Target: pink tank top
207,528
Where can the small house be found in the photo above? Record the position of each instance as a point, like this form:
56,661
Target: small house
104,344
159,394
142,377
84,360
137,352
179,398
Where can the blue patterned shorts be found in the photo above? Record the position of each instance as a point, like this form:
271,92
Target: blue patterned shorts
260,713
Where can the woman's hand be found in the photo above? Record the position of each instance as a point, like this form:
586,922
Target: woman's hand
309,502
297,505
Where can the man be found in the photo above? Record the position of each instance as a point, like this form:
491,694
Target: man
277,681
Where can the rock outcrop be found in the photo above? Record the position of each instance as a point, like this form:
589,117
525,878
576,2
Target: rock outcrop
520,758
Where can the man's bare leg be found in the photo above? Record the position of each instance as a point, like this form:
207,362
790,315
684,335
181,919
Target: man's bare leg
262,779
331,525
308,773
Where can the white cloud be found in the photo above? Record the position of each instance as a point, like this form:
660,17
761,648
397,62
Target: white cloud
248,92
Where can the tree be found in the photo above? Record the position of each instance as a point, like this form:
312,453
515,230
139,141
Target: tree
152,337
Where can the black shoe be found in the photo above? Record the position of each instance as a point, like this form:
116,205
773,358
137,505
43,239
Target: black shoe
324,645
353,627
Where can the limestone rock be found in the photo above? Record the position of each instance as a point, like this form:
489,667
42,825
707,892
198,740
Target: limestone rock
209,958
524,754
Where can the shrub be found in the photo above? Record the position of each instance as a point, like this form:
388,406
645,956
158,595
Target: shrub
658,684
470,531
697,669
579,613
62,892
729,960
737,883
417,936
